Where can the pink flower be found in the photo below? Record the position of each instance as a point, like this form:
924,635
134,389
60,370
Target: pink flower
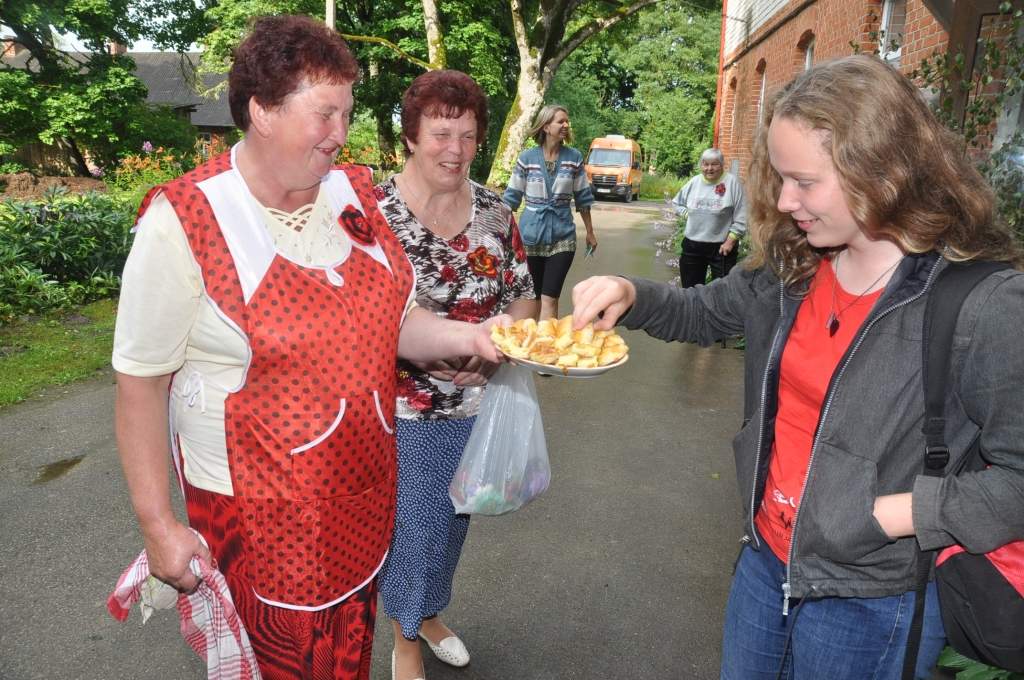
720,189
147,146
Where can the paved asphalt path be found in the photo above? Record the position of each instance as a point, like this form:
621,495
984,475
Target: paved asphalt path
619,572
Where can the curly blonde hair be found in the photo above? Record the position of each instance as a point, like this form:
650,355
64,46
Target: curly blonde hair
906,178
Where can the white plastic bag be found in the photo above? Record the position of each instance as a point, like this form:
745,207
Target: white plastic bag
505,463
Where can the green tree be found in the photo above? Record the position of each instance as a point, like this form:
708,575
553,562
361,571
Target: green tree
19,102
546,34
653,80
676,50
478,42
88,102
580,88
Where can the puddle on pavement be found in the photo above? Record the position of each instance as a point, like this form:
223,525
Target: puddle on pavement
50,472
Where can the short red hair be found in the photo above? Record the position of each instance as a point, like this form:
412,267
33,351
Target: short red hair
278,55
442,94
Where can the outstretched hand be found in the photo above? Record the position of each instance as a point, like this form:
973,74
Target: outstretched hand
601,299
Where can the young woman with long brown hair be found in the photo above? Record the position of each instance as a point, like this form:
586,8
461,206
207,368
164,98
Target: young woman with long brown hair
859,198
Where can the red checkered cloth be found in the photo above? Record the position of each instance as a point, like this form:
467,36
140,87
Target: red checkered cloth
209,622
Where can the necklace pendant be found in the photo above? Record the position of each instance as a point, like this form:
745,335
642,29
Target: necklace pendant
832,324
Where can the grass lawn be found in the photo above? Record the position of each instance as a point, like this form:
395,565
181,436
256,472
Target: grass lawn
54,349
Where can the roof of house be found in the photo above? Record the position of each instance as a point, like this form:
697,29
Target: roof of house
170,79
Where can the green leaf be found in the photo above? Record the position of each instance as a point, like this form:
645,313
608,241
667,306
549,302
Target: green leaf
950,658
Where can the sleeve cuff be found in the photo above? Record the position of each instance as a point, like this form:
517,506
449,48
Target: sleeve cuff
136,369
925,511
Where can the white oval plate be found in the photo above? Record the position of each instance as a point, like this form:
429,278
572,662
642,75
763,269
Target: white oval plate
568,371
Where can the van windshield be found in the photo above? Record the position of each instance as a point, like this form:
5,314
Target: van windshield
618,158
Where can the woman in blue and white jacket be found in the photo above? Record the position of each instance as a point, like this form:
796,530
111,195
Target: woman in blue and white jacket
550,175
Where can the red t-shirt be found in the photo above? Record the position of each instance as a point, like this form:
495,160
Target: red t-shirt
808,361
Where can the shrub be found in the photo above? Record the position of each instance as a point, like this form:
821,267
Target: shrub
658,187
12,168
136,174
63,250
26,290
1005,170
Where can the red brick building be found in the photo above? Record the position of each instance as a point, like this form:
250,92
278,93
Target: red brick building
765,43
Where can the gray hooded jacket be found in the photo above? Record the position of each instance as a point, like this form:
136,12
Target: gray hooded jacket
868,441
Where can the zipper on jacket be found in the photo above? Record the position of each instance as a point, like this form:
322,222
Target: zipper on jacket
787,585
760,432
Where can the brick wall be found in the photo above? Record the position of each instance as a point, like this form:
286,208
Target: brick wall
996,28
838,29
923,37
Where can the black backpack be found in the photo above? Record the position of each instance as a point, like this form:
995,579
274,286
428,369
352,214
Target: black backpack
981,596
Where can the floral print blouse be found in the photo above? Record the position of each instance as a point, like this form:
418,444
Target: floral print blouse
471,277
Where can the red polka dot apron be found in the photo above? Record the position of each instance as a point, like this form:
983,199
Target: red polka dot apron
309,431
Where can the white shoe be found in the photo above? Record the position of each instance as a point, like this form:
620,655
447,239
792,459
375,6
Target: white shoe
393,667
450,650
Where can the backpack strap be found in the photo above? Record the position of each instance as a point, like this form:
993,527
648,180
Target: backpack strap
941,312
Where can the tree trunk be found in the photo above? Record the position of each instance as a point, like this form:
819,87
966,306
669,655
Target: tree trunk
530,90
78,163
386,139
541,53
436,53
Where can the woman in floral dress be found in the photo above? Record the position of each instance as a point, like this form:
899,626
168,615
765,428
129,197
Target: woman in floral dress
470,265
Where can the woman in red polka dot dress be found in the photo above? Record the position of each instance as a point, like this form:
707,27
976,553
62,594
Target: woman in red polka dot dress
264,305
470,265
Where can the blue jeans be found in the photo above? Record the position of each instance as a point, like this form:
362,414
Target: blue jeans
836,638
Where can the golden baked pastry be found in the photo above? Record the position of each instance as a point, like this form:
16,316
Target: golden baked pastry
553,342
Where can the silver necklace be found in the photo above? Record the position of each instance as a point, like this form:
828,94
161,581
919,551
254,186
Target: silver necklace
832,324
437,218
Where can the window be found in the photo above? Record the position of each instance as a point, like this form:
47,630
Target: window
1010,129
763,69
613,158
809,55
205,143
890,31
732,110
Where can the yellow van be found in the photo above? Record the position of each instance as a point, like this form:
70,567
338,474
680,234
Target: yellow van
613,167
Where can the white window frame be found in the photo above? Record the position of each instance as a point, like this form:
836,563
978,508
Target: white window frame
1011,120
205,143
760,97
809,54
887,55
733,90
